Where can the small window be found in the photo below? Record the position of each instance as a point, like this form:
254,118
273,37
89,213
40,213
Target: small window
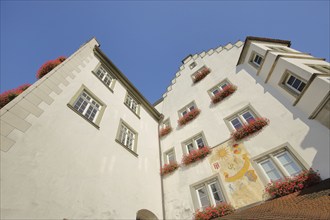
166,124
194,143
191,106
209,194
256,60
104,75
127,136
237,120
132,104
192,65
294,83
87,105
279,164
170,156
218,88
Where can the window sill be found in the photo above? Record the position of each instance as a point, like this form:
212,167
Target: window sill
290,91
129,150
254,65
92,123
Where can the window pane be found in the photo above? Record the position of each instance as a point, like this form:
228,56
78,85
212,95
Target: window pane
200,143
248,117
291,79
190,147
191,108
270,170
216,91
296,83
289,164
236,123
224,85
170,157
183,113
203,197
302,86
216,193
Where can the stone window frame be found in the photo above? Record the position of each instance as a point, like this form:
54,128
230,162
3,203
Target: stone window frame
138,105
218,85
283,83
187,108
238,114
192,140
194,187
166,153
113,81
136,135
270,155
252,58
74,99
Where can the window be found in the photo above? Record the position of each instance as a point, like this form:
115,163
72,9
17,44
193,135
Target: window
103,75
237,120
87,105
194,143
166,124
209,193
192,65
127,136
191,106
132,104
278,165
256,59
170,156
218,88
294,83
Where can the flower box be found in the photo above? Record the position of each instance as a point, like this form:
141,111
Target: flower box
200,74
227,91
169,168
248,129
290,185
212,212
165,131
9,95
196,155
189,116
49,66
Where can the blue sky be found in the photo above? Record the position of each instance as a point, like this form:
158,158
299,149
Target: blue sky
147,40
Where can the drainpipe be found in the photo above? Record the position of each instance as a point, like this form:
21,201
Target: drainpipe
160,165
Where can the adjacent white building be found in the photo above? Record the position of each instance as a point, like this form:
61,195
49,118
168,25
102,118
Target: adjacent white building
83,143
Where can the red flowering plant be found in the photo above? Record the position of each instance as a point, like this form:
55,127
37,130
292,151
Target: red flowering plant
196,155
164,131
169,168
189,116
292,184
9,95
253,126
212,212
200,74
48,66
227,91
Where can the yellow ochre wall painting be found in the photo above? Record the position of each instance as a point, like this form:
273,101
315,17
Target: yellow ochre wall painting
238,177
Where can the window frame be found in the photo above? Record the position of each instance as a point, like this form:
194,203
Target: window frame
97,120
239,115
218,86
291,90
166,153
192,65
133,99
205,183
272,156
193,140
252,60
119,135
187,108
113,81
166,123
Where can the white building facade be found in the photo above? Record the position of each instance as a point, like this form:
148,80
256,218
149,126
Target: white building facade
83,143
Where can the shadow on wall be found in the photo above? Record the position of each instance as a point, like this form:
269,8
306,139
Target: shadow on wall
315,137
145,214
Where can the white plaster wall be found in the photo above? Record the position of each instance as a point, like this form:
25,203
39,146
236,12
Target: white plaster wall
63,167
288,124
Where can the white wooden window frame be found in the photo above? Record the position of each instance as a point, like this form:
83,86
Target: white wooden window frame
240,118
295,78
219,87
132,104
105,76
127,137
193,142
87,106
209,193
187,109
